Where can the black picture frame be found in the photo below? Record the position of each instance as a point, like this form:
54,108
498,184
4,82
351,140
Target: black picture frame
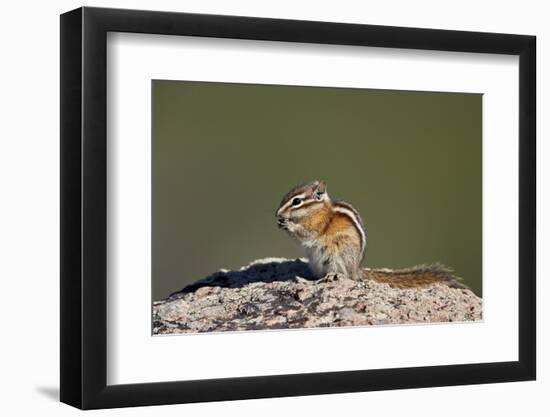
84,197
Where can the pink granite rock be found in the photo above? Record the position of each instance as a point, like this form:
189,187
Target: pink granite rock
277,293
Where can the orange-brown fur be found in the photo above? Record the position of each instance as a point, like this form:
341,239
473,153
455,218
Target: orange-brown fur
340,233
319,221
330,226
340,224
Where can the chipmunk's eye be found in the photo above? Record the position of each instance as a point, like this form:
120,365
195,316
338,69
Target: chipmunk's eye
296,201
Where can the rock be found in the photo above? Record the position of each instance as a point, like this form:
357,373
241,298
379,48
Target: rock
276,293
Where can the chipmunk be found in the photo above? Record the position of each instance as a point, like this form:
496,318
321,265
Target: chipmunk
335,239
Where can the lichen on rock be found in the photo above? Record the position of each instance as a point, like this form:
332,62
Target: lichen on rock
278,293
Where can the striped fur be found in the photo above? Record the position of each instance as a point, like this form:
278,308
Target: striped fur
332,233
348,210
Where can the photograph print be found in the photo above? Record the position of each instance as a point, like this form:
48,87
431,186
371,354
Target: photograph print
289,207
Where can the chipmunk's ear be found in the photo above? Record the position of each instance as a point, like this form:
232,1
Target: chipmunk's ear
321,189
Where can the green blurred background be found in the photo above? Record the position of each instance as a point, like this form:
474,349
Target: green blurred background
224,154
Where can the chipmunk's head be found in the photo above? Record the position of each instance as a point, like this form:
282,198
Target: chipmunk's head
301,203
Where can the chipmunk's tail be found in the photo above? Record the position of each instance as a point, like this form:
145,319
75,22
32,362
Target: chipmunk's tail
417,276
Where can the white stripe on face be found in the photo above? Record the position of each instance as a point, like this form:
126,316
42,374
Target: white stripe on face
289,203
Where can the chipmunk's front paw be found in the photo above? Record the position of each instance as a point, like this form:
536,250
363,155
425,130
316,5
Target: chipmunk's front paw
330,277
